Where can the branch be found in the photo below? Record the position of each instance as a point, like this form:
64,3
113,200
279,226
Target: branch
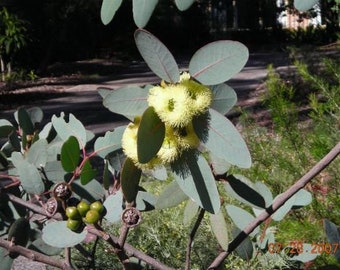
35,208
33,255
132,251
192,236
321,165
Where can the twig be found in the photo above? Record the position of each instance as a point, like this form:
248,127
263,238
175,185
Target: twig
35,208
130,250
34,255
321,165
191,238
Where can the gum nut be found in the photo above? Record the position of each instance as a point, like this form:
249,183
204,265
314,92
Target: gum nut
72,212
83,207
92,217
73,224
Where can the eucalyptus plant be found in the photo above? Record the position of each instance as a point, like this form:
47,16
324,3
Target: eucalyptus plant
177,134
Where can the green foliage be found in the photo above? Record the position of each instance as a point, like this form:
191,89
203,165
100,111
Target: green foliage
150,135
13,37
295,145
179,135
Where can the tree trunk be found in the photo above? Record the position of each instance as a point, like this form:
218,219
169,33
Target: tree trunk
2,64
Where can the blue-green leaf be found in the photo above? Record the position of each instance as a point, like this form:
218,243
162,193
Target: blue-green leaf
184,4
56,234
5,128
128,101
71,128
6,261
108,10
218,61
220,229
113,205
87,173
265,192
157,56
159,173
70,155
150,135
245,250
145,201
129,179
37,154
36,114
224,98
305,256
200,184
219,165
172,195
28,174
40,246
241,218
301,198
25,121
142,11
111,142
54,171
190,211
242,189
225,142
333,236
93,191
304,5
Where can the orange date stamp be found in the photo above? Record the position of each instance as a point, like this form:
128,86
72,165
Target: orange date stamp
298,247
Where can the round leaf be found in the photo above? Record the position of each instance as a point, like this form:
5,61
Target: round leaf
37,154
243,190
305,256
218,61
113,206
40,246
108,10
145,201
200,184
150,135
184,4
71,128
111,141
220,229
157,56
129,101
225,142
56,234
172,195
241,218
25,121
70,155
190,211
129,179
36,114
142,11
224,98
93,191
245,249
87,173
304,5
5,128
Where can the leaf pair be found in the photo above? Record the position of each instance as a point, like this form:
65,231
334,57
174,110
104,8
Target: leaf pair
142,9
213,64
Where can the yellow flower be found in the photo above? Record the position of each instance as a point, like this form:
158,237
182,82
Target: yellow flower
169,150
129,145
172,104
201,96
129,141
187,137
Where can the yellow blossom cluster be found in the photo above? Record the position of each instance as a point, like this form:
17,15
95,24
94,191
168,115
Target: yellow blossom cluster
176,105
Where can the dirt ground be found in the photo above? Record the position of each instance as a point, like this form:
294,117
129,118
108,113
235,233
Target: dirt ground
72,88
